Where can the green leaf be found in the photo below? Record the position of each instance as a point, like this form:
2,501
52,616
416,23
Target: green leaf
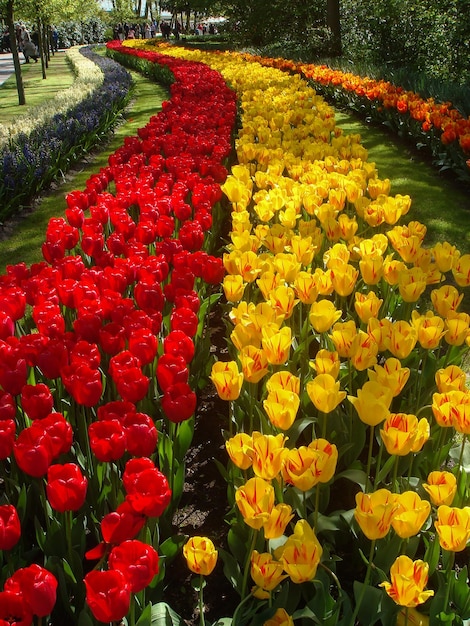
145,618
184,438
354,475
84,619
171,546
163,615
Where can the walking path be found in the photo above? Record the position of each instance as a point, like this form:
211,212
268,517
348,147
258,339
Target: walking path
6,66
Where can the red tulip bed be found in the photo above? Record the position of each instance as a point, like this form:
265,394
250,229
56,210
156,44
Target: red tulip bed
347,410
101,356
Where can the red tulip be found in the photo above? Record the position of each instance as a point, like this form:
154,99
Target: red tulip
138,562
116,410
141,434
148,492
143,343
133,385
82,383
170,370
108,595
10,528
7,437
66,487
7,406
179,402
148,295
37,586
107,440
37,401
122,524
11,603
87,353
112,338
59,432
33,450
184,319
178,343
53,357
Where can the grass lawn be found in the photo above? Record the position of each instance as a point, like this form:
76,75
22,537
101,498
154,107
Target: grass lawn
437,201
37,90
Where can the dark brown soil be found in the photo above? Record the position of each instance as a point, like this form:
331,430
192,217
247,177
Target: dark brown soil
204,504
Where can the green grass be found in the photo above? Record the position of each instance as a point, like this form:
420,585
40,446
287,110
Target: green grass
436,200
37,90
26,241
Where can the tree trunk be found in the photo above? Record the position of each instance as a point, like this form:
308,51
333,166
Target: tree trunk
41,49
14,50
334,23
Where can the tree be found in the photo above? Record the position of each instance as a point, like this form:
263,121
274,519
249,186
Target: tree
14,49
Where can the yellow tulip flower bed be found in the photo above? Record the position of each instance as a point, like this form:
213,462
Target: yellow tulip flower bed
349,410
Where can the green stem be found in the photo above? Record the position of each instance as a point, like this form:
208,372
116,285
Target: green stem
132,611
68,520
406,616
369,454
459,475
201,601
317,506
394,476
365,585
448,585
247,562
237,610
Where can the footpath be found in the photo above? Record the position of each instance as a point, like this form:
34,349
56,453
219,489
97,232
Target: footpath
6,66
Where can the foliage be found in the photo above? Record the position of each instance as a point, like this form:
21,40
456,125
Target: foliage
73,32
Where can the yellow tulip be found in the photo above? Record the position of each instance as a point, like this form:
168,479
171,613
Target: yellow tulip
302,249
460,412
392,269
342,337
323,281
363,351
234,286
305,467
254,364
255,501
227,379
282,299
411,284
374,512
453,527
403,433
305,287
301,553
377,186
402,340
326,362
408,580
372,403
268,454
267,282
266,572
283,380
449,378
430,327
287,266
344,279
411,514
275,525
458,328
461,271
323,314
280,618
337,256
245,335
367,305
446,299
200,555
442,407
277,344
281,406
348,226
371,269
240,450
325,393
445,255
391,374
441,487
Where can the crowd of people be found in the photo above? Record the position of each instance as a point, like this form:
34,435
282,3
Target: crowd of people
27,42
152,29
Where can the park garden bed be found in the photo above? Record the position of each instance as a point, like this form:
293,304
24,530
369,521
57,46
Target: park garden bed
340,400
